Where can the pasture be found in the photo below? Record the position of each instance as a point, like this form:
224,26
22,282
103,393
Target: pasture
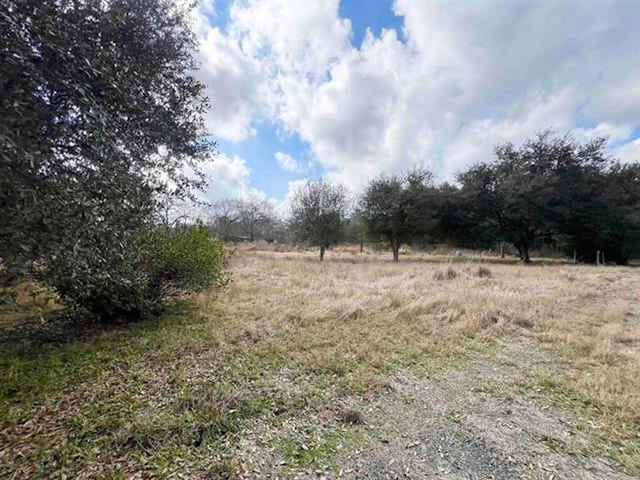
355,367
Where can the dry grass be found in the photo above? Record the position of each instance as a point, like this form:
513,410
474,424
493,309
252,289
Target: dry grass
282,355
27,298
371,310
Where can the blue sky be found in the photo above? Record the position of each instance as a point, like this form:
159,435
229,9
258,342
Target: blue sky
353,89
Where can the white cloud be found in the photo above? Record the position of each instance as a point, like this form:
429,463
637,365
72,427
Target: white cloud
615,133
475,141
228,178
470,75
283,207
232,82
629,152
287,162
301,39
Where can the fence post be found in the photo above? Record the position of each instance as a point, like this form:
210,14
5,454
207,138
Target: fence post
597,258
575,256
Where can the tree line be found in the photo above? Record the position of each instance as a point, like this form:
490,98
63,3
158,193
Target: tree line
245,219
550,188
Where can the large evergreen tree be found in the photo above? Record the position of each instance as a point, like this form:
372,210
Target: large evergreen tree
554,185
100,116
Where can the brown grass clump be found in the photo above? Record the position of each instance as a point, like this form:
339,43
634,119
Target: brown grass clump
483,272
447,274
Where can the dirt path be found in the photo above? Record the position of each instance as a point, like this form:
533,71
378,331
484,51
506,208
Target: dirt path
450,427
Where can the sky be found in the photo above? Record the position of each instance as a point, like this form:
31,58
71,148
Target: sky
354,89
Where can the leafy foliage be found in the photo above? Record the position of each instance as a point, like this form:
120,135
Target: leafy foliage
396,208
318,211
606,214
189,259
101,115
552,185
159,262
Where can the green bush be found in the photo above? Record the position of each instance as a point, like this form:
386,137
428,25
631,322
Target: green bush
186,260
131,285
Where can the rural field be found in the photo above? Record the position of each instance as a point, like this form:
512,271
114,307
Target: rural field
329,239
355,367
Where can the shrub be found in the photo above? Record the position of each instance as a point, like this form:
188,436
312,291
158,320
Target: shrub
134,284
186,260
448,274
483,272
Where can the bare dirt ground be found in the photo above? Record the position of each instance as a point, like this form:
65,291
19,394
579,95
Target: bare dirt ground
356,367
448,427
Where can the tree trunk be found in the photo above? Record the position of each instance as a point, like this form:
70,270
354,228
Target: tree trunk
361,247
321,252
523,250
502,250
395,247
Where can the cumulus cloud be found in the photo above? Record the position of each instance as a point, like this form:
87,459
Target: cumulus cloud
232,82
629,152
287,162
228,178
468,75
300,40
615,133
282,207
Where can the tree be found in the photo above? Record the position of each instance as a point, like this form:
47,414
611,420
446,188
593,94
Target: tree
224,216
277,229
396,208
318,210
454,221
254,213
173,212
100,115
605,213
550,185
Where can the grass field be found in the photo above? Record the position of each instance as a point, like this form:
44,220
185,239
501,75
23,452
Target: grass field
356,367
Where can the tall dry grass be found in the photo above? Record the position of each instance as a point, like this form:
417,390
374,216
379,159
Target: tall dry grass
371,311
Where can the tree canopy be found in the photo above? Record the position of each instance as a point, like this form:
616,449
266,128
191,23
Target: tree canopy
396,208
318,211
553,185
101,115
